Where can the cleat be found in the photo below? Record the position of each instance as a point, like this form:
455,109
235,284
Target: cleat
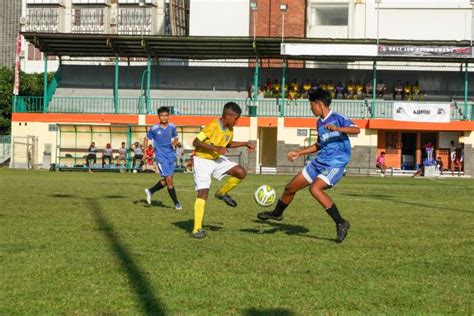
148,196
269,215
178,206
341,230
227,199
199,234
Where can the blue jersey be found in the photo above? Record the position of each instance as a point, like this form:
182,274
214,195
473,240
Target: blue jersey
162,138
334,147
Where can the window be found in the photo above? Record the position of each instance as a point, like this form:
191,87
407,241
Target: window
52,128
330,14
302,132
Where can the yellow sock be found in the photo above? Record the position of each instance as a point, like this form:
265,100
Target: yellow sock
229,186
198,213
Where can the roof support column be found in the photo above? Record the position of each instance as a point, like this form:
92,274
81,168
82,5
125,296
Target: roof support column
253,107
116,86
128,73
283,82
148,78
45,83
466,79
374,90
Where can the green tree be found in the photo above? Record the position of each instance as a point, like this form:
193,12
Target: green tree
30,85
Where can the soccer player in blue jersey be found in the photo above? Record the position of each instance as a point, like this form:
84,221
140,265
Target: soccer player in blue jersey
164,138
327,168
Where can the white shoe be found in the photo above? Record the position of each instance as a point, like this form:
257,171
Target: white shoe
148,196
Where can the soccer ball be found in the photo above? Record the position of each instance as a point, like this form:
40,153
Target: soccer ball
265,195
135,171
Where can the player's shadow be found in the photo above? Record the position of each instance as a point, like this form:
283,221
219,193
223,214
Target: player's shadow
288,229
188,226
153,203
60,195
267,312
113,197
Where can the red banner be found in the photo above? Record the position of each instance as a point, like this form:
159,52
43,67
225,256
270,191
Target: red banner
16,84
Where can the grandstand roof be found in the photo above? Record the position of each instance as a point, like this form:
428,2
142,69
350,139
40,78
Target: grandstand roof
200,47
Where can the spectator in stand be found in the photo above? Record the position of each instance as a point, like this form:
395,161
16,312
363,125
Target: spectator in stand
416,91
314,84
323,85
429,151
369,89
138,155
306,88
381,89
439,165
276,89
407,91
452,153
122,158
351,90
149,160
294,85
331,89
107,154
179,155
380,164
267,88
340,90
92,155
398,90
360,90
456,165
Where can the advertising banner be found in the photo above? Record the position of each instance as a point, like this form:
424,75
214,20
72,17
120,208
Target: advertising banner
425,51
421,112
16,84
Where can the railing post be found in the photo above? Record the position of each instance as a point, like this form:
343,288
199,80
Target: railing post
45,83
283,81
253,108
466,75
148,78
116,86
374,90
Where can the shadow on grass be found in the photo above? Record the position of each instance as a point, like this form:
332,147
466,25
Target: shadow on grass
189,225
138,281
59,195
153,203
113,196
288,229
267,312
395,200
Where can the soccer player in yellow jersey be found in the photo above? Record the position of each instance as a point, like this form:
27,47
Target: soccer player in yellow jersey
210,147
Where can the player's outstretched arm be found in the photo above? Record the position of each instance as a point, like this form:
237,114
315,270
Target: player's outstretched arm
347,129
218,149
293,155
249,145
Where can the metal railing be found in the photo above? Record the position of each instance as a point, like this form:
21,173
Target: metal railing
359,109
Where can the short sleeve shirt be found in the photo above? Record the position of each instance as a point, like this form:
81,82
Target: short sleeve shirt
162,140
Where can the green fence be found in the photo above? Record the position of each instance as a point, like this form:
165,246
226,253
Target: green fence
5,143
213,107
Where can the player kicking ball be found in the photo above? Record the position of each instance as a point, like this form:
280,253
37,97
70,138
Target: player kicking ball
327,168
164,138
211,145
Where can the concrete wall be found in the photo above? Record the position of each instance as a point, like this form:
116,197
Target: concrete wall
219,18
10,11
398,19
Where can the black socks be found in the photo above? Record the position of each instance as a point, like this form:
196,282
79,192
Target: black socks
334,213
157,187
279,208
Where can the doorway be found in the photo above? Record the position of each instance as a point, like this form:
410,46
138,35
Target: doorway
268,146
408,151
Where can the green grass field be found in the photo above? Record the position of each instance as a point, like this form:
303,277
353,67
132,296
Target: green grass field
78,243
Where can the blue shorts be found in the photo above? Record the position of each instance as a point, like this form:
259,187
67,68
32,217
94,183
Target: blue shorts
328,174
165,166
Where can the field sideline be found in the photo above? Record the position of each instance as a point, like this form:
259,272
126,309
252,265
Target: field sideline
78,243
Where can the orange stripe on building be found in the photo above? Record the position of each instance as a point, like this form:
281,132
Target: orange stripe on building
267,122
75,118
193,120
311,122
421,126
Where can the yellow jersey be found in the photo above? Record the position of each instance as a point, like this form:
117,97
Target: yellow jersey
214,134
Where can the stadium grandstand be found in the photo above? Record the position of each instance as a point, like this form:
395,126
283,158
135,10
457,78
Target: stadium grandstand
108,85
